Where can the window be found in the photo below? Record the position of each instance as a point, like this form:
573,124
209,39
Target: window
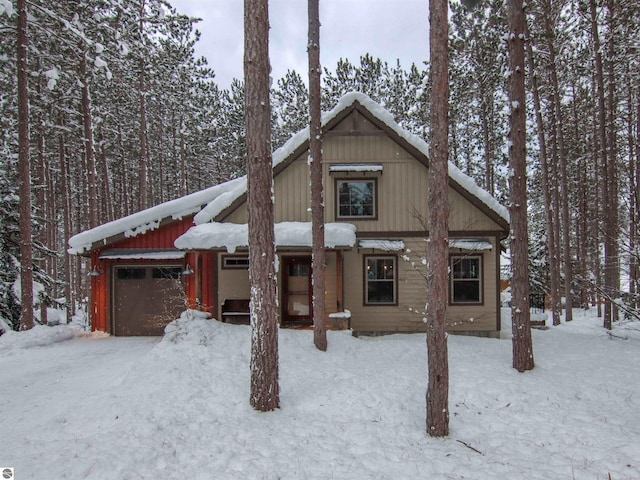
130,273
167,273
380,280
356,198
235,261
466,279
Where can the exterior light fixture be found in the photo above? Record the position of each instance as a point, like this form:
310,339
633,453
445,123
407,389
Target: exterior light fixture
94,272
188,270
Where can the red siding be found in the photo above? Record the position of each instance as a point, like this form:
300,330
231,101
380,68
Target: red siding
162,237
99,294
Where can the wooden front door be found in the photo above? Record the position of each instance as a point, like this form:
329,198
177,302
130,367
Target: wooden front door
297,308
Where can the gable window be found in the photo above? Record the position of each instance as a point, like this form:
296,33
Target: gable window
380,280
356,198
466,279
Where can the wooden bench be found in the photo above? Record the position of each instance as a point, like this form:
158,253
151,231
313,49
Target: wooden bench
235,310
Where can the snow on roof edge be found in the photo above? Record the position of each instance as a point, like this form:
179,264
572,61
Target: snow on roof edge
221,196
385,116
232,236
285,151
148,219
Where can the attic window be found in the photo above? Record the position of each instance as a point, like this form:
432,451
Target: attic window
355,167
356,198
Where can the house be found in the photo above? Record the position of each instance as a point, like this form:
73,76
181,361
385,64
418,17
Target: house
193,251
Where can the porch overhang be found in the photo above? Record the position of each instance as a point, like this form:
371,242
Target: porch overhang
471,244
233,236
382,244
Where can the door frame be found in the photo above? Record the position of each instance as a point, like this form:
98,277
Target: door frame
286,318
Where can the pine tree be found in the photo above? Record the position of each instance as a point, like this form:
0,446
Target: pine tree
317,189
437,198
24,179
265,393
290,108
520,314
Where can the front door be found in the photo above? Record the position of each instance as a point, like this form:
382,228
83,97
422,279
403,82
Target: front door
297,291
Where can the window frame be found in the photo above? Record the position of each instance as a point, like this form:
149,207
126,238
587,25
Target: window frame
366,280
373,181
480,278
235,266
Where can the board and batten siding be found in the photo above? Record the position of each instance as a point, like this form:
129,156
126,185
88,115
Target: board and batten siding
401,189
401,202
407,315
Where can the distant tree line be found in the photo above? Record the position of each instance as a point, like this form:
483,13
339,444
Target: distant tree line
123,115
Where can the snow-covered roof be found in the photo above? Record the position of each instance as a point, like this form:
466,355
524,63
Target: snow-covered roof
382,244
219,197
355,167
348,100
119,254
288,234
470,243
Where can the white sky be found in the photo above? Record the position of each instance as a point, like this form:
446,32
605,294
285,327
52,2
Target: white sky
386,29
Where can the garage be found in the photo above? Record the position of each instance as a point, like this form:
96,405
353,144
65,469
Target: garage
146,298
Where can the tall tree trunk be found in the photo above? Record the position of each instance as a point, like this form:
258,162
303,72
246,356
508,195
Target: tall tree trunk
107,198
89,149
66,215
265,391
317,189
24,173
595,225
519,239
602,130
143,165
635,202
582,192
633,188
438,201
552,252
125,203
612,224
488,143
560,160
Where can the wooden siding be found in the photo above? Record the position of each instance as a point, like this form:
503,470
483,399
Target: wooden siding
234,283
162,237
293,193
407,316
401,208
401,189
101,289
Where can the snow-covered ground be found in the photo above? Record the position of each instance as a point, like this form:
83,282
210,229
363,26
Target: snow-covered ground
77,405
